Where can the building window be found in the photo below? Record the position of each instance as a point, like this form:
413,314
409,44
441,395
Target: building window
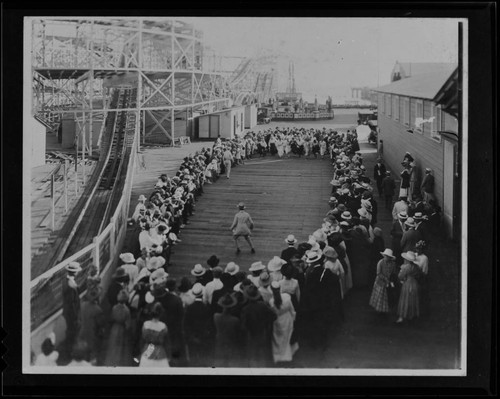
406,111
437,122
419,116
382,103
388,104
395,108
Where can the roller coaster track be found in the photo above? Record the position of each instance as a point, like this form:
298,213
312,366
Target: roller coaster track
102,190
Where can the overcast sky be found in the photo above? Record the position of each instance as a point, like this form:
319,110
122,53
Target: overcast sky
335,52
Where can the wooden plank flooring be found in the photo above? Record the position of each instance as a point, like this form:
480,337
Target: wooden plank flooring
288,196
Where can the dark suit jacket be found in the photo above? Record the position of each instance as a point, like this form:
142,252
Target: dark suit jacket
198,324
396,234
173,316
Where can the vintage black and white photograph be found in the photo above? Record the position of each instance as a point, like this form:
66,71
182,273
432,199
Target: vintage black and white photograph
236,195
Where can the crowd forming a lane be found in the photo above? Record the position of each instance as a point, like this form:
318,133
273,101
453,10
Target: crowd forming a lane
221,315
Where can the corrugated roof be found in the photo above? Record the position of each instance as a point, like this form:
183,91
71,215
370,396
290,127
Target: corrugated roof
425,86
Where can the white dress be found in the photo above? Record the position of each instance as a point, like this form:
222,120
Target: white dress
282,329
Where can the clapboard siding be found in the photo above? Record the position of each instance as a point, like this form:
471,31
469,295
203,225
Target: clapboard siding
427,152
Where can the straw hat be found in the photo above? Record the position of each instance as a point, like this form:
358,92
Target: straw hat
388,252
241,205
155,262
198,270
158,276
290,240
346,215
232,268
410,255
197,290
127,257
313,256
275,264
418,216
403,215
256,266
73,267
142,197
410,222
363,212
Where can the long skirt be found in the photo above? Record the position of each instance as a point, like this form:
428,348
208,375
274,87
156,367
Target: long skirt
409,306
282,333
379,299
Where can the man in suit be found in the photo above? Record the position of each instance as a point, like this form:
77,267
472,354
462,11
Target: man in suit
199,329
287,253
388,187
427,186
173,317
397,231
379,175
257,322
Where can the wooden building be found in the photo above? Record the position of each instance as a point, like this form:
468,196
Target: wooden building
410,119
227,123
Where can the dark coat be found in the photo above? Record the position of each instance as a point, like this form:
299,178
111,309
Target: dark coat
173,317
388,185
199,332
257,323
71,302
227,340
396,234
320,307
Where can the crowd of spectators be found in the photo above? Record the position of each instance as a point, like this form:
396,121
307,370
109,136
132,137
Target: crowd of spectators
223,316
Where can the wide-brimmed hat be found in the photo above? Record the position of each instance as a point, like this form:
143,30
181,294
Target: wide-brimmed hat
256,266
142,197
198,270
252,293
213,261
387,172
410,222
232,268
127,257
291,239
158,276
73,267
227,301
363,212
410,255
121,275
313,256
428,169
403,215
265,279
197,290
346,215
330,252
155,262
388,252
418,216
275,264
241,205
